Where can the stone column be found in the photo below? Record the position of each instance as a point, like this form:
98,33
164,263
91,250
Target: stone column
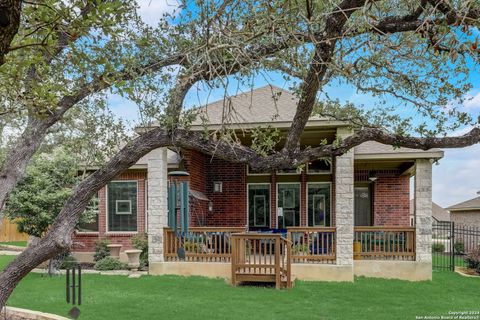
157,203
344,204
423,210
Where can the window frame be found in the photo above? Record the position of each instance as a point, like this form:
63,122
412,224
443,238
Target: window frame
329,183
320,173
299,203
269,224
80,232
108,232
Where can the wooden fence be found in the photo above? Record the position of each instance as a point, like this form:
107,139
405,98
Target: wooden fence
313,244
384,243
10,233
200,244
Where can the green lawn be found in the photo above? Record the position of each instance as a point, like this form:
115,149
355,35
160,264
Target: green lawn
172,297
440,260
15,243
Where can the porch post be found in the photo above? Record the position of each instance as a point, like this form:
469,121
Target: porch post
344,203
423,210
157,203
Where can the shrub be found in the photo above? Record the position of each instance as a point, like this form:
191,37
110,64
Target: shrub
191,246
438,247
473,259
110,263
140,242
459,247
300,248
68,262
101,250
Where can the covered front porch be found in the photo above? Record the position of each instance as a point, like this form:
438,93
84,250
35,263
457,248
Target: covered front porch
322,233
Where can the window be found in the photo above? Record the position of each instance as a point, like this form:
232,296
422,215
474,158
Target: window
291,171
122,206
253,172
318,202
362,210
89,220
288,205
259,205
320,166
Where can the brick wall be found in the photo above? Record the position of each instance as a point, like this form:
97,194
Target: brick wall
390,196
194,163
85,242
229,206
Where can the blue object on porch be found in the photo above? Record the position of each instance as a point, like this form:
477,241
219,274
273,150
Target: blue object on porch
178,203
320,247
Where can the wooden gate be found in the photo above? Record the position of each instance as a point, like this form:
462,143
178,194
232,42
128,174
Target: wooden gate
260,257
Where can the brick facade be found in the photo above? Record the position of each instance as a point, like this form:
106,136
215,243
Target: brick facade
85,241
390,197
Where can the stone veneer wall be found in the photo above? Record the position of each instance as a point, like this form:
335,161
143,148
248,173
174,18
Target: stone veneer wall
157,203
423,210
344,207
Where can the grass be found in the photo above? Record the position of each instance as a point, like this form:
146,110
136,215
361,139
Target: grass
15,243
443,260
117,297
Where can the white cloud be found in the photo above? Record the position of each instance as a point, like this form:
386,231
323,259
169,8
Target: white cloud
152,10
472,102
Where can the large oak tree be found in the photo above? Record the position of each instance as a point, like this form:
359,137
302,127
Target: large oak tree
413,57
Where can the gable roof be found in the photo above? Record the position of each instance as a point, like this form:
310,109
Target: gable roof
472,204
266,105
438,213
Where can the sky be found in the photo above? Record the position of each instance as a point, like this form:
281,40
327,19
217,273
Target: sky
455,179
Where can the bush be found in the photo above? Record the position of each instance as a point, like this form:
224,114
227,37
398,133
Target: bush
473,259
140,242
101,250
438,247
68,262
110,263
459,247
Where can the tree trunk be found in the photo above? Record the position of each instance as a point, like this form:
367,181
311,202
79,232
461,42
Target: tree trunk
9,22
19,156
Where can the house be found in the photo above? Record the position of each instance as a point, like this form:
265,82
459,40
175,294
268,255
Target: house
466,213
439,214
328,220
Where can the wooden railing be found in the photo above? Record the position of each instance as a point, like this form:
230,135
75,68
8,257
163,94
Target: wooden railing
313,244
261,257
200,244
384,243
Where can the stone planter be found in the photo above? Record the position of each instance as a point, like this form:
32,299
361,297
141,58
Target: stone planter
114,250
133,258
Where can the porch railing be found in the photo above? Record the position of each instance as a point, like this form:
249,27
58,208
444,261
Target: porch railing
200,244
261,257
313,244
384,243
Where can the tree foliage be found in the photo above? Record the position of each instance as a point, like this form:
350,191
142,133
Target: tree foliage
40,196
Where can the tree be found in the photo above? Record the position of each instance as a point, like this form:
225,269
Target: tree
10,11
40,195
399,51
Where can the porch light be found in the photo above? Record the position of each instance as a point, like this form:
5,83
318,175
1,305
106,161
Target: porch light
210,206
372,176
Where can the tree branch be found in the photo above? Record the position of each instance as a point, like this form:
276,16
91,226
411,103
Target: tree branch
10,11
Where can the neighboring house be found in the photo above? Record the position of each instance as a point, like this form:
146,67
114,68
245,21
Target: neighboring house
439,214
346,216
466,213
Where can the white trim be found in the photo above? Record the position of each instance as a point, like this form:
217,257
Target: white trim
319,173
123,212
399,155
299,203
256,174
269,225
108,232
329,183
